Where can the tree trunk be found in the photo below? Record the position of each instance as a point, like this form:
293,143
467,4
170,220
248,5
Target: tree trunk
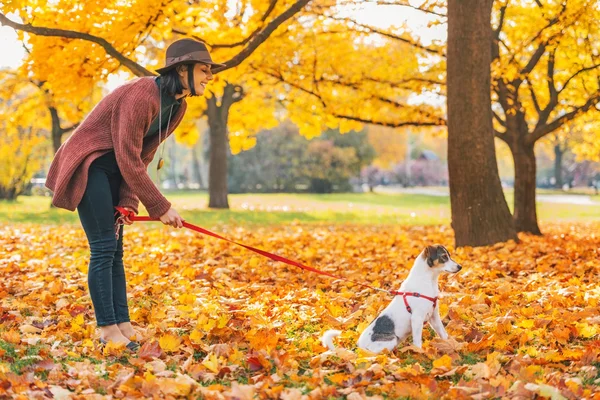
8,193
57,131
217,167
525,213
480,215
217,111
558,157
217,170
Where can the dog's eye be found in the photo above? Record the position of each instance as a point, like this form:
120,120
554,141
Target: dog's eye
444,259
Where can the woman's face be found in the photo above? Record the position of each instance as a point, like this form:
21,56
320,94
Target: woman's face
202,75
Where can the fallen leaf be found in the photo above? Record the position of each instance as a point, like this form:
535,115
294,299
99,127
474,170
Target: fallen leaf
150,350
169,343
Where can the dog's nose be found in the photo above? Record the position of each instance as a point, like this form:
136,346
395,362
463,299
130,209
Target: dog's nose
459,267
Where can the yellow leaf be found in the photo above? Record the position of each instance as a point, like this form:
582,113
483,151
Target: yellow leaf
196,336
188,299
173,246
148,376
79,319
585,330
526,323
443,361
169,342
254,262
206,323
211,362
223,319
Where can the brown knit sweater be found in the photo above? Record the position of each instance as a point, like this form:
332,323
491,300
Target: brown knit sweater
118,122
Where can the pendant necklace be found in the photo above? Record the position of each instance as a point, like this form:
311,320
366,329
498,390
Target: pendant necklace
161,160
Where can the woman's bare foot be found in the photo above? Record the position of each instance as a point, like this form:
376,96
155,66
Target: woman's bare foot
111,333
127,330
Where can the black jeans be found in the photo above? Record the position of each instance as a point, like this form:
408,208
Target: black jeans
106,275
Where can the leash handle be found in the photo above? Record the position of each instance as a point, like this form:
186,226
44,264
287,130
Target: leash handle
132,217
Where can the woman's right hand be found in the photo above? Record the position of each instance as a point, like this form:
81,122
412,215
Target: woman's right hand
172,218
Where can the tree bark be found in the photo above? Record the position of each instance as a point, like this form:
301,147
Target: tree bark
217,169
480,215
217,111
525,213
558,158
8,193
57,131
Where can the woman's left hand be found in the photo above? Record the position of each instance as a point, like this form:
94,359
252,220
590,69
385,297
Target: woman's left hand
126,219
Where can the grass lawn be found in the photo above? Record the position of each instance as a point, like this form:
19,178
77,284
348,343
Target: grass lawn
265,209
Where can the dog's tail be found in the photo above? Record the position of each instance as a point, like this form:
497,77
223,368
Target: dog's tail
327,338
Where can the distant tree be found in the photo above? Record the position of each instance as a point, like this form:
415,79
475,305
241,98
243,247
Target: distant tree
329,167
284,161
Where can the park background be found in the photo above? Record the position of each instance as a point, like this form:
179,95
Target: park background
347,135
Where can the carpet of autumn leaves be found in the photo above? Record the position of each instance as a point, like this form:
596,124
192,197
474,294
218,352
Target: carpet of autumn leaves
219,322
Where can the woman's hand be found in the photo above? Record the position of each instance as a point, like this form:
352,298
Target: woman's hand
126,219
172,218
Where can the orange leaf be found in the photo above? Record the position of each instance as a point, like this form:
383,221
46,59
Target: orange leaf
150,350
12,336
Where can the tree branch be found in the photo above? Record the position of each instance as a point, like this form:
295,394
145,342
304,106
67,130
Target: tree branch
391,36
542,131
398,84
134,67
263,35
394,124
534,99
535,58
69,128
503,95
496,37
235,44
500,21
436,121
541,48
498,118
269,10
405,4
139,70
553,100
501,136
577,73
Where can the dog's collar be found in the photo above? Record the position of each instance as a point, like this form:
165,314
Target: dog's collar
414,294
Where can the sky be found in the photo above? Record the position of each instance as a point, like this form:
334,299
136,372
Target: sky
12,50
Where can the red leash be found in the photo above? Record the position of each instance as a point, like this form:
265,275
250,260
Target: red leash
132,217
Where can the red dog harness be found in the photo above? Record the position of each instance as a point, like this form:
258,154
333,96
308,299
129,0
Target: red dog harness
414,294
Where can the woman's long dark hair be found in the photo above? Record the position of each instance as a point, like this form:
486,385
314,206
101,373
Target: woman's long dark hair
170,83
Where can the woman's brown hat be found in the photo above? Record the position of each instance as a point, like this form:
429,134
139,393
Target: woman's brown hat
185,51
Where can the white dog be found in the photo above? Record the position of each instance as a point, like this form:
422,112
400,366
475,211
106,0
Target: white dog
415,303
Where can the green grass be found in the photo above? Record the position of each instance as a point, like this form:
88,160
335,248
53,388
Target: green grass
274,209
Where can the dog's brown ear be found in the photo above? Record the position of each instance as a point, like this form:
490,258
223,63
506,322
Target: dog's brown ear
431,254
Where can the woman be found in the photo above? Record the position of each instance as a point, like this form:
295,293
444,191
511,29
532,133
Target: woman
103,164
